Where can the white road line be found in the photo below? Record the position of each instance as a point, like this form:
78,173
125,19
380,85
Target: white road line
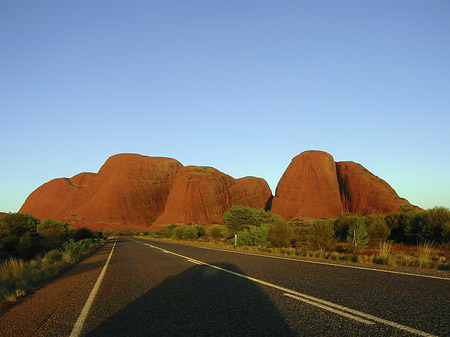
324,263
304,297
78,327
342,313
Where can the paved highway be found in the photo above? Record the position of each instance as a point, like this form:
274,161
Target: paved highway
136,287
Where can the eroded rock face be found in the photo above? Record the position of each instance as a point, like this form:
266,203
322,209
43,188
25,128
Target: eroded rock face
363,192
309,187
204,194
129,191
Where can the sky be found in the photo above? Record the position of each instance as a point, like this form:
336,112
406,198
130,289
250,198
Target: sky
243,86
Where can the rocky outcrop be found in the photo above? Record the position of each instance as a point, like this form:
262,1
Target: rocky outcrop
363,192
129,191
204,194
309,187
315,186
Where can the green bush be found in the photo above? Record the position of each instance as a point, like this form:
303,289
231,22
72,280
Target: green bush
189,233
53,233
215,232
201,230
357,233
322,235
177,233
378,231
253,236
398,222
238,218
18,236
342,224
280,234
83,233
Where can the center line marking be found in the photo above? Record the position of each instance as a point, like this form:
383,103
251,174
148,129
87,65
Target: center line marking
330,306
342,313
78,327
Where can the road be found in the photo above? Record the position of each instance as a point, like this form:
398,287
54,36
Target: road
136,287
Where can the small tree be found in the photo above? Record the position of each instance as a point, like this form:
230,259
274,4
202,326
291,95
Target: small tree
398,223
322,235
378,231
342,224
438,219
54,233
357,234
18,235
280,234
238,218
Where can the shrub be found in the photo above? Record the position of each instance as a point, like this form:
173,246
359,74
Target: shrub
342,224
398,223
189,233
53,233
280,234
238,218
18,236
201,230
177,233
322,235
214,232
357,233
253,236
53,255
83,233
378,231
437,223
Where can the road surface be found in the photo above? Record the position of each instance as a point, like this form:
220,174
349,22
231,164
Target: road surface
136,287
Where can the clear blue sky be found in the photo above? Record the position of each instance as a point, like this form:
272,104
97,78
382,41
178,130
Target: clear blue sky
243,86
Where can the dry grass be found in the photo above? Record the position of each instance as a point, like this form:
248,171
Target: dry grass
426,253
18,277
385,250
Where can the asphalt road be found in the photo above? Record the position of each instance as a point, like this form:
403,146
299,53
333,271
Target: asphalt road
151,288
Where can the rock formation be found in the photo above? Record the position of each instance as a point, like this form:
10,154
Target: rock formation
315,186
363,192
128,192
309,187
204,194
131,191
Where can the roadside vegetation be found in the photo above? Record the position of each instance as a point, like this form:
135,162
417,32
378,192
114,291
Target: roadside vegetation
34,252
412,238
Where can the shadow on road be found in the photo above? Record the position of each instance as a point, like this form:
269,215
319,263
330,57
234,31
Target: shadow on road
201,301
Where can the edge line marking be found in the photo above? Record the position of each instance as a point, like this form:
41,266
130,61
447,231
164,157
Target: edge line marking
318,262
78,327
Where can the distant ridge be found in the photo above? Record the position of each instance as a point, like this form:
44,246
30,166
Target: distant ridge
131,191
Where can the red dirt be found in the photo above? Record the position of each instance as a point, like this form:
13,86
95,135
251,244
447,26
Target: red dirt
204,194
309,187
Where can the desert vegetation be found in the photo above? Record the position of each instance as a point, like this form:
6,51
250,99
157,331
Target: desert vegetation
412,238
33,252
